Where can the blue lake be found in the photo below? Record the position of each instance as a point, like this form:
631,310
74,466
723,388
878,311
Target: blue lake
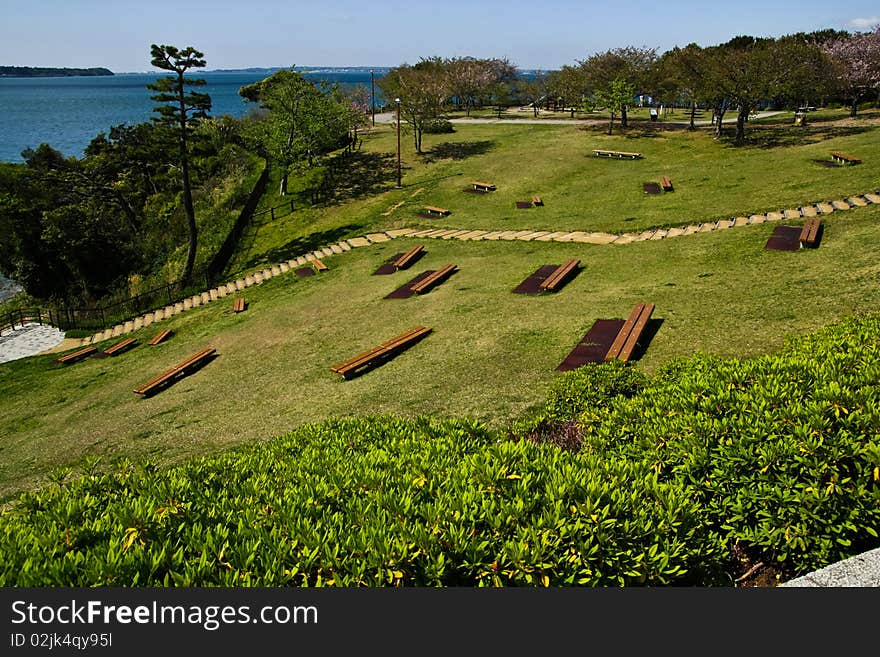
67,113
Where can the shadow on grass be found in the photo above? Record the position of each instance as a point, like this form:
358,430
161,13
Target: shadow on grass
460,150
357,175
300,246
782,137
645,338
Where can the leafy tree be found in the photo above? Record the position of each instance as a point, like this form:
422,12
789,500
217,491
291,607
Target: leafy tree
684,73
857,60
423,89
300,122
616,95
629,64
569,85
181,112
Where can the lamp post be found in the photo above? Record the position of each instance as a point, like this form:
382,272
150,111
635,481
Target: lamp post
373,98
397,100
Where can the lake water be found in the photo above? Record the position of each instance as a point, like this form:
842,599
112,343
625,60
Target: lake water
67,113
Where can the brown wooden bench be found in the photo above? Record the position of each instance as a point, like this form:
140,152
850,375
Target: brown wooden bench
386,349
666,183
77,355
320,266
437,277
556,278
160,336
537,200
179,370
810,232
238,305
843,157
620,154
403,261
486,187
119,347
629,334
430,209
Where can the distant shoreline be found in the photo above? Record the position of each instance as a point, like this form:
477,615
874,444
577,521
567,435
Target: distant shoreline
45,72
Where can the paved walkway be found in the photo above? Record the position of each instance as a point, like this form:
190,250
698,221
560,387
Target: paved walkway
28,340
391,117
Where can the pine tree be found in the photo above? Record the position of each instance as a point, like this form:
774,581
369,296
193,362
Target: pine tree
182,111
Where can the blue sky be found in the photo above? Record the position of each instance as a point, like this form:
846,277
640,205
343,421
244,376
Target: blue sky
532,34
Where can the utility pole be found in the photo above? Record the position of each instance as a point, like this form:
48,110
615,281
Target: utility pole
373,97
397,100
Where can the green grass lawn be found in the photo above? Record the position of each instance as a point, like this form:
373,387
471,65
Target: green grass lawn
713,180
491,355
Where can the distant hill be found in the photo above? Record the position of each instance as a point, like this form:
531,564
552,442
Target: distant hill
36,72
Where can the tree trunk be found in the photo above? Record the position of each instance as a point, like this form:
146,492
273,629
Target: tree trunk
623,121
693,126
854,108
741,119
282,191
188,208
611,124
719,118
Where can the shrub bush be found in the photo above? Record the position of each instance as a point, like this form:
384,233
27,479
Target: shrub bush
438,127
371,502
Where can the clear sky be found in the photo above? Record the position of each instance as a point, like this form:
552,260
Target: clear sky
267,33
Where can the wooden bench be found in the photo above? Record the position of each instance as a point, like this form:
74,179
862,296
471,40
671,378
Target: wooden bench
843,157
666,183
562,272
238,305
486,187
179,370
161,335
76,355
403,261
621,154
320,266
629,334
119,347
430,209
384,350
427,283
810,232
537,200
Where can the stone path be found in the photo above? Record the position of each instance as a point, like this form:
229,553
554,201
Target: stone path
8,351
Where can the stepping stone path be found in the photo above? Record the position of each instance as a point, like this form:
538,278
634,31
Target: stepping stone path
343,246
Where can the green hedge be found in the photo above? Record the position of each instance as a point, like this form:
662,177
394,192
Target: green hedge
781,451
382,501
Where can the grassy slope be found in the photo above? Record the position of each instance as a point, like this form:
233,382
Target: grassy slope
713,180
491,356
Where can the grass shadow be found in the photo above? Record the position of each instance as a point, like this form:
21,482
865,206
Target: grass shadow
458,150
782,137
299,246
356,175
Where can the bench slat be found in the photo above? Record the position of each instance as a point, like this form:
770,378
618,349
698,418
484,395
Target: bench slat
559,275
383,349
433,279
119,346
407,257
76,355
172,372
636,332
162,335
624,332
